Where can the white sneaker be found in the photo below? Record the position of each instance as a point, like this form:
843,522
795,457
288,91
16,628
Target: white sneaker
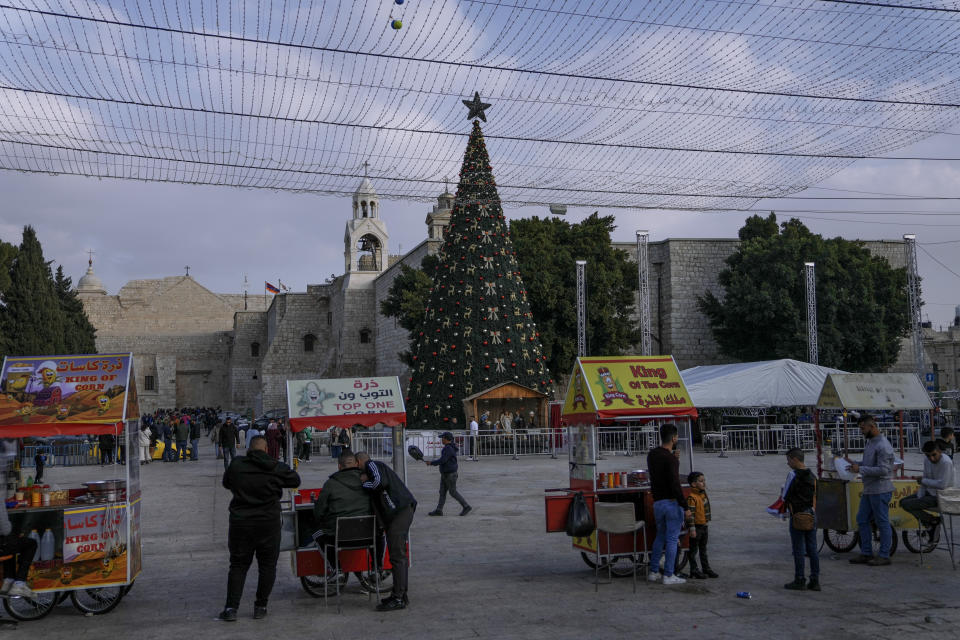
653,577
20,589
673,580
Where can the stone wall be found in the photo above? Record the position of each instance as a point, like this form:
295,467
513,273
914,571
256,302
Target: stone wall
291,318
393,339
188,369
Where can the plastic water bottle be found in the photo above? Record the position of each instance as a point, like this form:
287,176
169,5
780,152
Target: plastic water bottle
744,594
35,537
46,546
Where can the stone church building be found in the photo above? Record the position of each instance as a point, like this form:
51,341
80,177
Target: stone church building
194,347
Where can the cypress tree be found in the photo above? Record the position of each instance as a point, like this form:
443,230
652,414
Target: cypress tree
31,320
79,334
478,330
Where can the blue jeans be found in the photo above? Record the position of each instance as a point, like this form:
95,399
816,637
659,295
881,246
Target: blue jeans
194,446
875,507
168,449
229,453
805,544
669,517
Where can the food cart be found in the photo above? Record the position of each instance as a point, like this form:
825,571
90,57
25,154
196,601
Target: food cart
91,542
323,404
645,390
838,500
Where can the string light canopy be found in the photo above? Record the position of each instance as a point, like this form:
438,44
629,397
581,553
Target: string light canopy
674,104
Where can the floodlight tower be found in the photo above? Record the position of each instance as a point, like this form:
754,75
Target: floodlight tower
646,346
581,308
913,290
813,350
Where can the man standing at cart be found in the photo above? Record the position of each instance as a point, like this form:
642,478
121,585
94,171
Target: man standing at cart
669,505
395,505
21,548
876,469
257,482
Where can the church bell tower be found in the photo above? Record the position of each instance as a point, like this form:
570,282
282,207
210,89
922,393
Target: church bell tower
365,239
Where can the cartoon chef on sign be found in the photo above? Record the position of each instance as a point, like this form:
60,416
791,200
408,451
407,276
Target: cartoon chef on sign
312,398
44,377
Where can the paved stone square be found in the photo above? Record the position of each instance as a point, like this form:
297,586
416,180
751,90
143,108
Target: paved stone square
496,574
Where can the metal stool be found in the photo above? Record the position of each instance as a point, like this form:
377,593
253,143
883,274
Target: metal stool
948,500
617,518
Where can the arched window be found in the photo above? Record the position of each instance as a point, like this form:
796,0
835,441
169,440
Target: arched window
309,341
254,349
364,336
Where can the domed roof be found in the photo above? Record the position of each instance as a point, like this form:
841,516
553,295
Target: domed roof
90,283
365,188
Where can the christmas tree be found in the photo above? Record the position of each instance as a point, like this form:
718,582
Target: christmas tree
478,330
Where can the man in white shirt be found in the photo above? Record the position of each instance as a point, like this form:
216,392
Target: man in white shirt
474,432
937,475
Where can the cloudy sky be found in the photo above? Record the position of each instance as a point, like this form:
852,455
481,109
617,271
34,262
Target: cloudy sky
637,109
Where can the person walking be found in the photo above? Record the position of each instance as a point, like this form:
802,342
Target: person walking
195,440
668,505
167,432
876,469
448,475
182,432
395,505
274,436
228,442
257,482
144,445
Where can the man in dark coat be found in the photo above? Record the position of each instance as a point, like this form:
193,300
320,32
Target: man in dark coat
395,505
448,475
257,482
228,442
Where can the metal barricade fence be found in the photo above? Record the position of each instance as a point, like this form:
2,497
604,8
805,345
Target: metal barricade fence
69,454
779,438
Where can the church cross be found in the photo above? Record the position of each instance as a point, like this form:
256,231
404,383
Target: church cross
366,165
188,270
90,253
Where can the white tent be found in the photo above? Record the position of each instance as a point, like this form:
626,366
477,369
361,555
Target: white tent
770,383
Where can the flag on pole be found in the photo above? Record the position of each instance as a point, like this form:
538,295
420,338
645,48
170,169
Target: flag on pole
269,287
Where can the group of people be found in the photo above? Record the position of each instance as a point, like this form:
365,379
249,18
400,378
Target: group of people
360,487
672,510
179,430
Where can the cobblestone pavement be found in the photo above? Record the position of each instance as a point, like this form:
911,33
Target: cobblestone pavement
496,574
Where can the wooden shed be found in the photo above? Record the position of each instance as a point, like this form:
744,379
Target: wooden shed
512,397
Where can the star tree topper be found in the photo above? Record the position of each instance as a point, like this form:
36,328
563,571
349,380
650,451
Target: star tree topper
476,107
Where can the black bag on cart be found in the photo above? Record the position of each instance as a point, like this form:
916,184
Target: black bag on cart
579,521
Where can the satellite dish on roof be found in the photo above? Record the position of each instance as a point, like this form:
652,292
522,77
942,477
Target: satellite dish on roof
558,209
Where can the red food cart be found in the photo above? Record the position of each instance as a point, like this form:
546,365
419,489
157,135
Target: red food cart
322,404
624,397
92,546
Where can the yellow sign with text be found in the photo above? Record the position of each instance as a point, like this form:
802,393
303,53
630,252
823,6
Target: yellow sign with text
627,384
899,518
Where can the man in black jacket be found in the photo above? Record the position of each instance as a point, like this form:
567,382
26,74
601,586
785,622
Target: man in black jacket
228,442
257,482
448,475
395,505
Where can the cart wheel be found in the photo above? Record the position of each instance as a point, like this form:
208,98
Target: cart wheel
317,586
839,540
32,608
893,539
588,559
127,588
97,600
386,578
683,556
921,541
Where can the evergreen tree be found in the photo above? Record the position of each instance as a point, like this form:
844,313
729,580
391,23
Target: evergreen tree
478,330
7,254
861,300
31,322
79,334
